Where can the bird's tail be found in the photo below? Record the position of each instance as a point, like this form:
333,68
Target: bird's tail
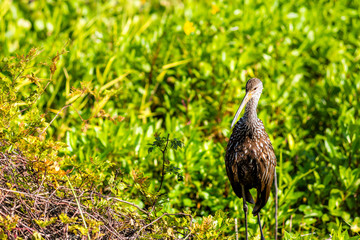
248,197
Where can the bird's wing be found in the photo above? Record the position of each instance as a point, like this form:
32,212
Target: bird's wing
232,169
267,163
266,169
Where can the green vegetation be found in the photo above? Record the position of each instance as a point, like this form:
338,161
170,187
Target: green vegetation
111,79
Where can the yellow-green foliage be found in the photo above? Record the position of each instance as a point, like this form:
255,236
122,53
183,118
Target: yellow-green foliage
7,224
22,124
213,227
45,223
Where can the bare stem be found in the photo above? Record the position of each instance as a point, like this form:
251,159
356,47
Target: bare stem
163,168
236,230
66,106
132,204
37,98
79,206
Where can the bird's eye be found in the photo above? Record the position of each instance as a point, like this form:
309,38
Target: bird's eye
255,88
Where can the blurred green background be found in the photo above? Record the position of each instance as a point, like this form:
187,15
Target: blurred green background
180,67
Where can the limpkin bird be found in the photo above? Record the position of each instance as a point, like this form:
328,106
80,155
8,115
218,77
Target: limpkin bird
250,159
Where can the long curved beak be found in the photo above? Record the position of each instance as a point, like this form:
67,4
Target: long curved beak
247,97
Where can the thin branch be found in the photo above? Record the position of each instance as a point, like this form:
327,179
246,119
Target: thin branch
37,98
132,204
79,207
77,111
35,55
36,195
163,168
66,106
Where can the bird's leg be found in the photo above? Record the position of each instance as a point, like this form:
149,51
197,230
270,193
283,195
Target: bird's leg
245,210
261,232
276,204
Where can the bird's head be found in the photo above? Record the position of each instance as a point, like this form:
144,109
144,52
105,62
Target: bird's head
254,89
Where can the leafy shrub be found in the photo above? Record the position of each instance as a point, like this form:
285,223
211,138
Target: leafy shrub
39,200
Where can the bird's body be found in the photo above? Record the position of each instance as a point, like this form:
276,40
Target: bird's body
250,159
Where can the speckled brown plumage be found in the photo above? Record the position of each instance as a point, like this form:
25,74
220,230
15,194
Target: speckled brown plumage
250,159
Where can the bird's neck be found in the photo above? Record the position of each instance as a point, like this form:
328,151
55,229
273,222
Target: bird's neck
250,110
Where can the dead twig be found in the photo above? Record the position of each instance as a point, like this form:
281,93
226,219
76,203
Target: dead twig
57,114
27,195
132,204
